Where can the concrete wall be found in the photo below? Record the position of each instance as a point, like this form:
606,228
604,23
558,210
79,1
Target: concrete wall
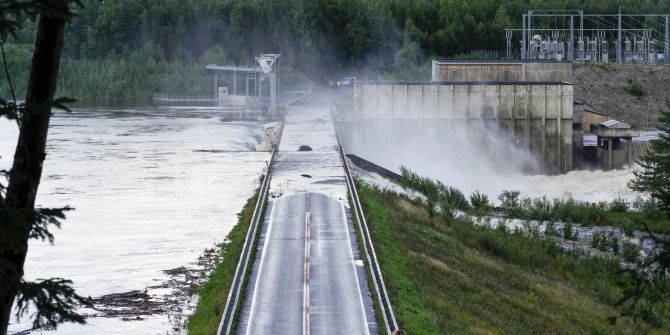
534,116
501,71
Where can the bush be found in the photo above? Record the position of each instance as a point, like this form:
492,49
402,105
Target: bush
538,209
551,230
569,233
580,212
636,89
510,204
452,197
619,205
480,203
605,242
627,229
435,191
631,251
479,200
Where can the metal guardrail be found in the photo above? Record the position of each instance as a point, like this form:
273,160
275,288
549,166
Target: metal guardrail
228,317
390,322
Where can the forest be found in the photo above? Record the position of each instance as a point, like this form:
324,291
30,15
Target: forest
123,51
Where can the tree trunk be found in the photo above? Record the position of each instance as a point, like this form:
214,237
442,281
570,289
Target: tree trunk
30,152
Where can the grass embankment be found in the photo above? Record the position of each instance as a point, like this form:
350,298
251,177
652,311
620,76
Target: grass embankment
446,275
213,294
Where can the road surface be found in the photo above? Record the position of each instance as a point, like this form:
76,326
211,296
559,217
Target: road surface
307,277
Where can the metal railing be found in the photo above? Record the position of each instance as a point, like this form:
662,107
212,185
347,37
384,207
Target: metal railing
183,97
236,288
390,322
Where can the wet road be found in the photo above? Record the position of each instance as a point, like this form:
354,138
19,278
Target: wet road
307,276
306,281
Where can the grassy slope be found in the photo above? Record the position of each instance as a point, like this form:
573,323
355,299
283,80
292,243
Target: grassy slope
213,294
448,276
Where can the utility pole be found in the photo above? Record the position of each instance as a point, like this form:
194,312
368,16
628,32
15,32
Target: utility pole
571,44
523,38
667,39
581,35
618,40
530,30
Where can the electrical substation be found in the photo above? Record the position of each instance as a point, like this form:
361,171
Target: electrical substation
591,38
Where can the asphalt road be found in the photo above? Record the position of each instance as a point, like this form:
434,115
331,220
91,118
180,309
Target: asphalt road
305,280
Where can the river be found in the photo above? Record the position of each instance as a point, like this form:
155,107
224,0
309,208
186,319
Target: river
151,187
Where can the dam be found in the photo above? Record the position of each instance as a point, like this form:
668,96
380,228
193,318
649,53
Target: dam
535,117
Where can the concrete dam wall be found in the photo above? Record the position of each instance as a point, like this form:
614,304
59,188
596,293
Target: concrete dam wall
454,70
522,125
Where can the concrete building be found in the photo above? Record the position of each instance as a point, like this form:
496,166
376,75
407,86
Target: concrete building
517,70
585,115
533,116
614,144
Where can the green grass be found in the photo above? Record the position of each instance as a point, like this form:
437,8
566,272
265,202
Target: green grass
406,298
449,276
213,294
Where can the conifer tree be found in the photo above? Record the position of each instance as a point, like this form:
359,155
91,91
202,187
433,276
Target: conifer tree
655,175
53,300
646,289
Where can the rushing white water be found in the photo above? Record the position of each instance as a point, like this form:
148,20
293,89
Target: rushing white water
152,188
476,160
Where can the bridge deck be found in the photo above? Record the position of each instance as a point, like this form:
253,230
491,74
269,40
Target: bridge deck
308,275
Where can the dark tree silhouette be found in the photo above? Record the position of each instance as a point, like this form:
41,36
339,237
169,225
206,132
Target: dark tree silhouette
54,299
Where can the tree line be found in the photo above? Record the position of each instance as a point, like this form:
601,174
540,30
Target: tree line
319,40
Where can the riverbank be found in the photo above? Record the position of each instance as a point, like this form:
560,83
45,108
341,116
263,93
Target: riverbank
214,292
490,280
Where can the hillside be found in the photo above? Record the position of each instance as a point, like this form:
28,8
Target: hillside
606,88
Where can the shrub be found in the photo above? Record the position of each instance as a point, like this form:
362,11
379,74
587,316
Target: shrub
569,233
619,205
604,242
631,251
452,197
510,203
627,229
435,191
580,212
551,230
480,202
636,89
538,209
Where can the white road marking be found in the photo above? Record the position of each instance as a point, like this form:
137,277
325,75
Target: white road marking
305,296
353,265
260,267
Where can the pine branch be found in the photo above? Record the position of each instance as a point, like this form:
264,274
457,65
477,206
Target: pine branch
54,300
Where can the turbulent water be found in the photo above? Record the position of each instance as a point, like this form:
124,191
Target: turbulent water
152,188
483,161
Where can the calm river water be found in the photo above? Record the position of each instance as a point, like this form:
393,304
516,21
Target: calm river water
152,188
